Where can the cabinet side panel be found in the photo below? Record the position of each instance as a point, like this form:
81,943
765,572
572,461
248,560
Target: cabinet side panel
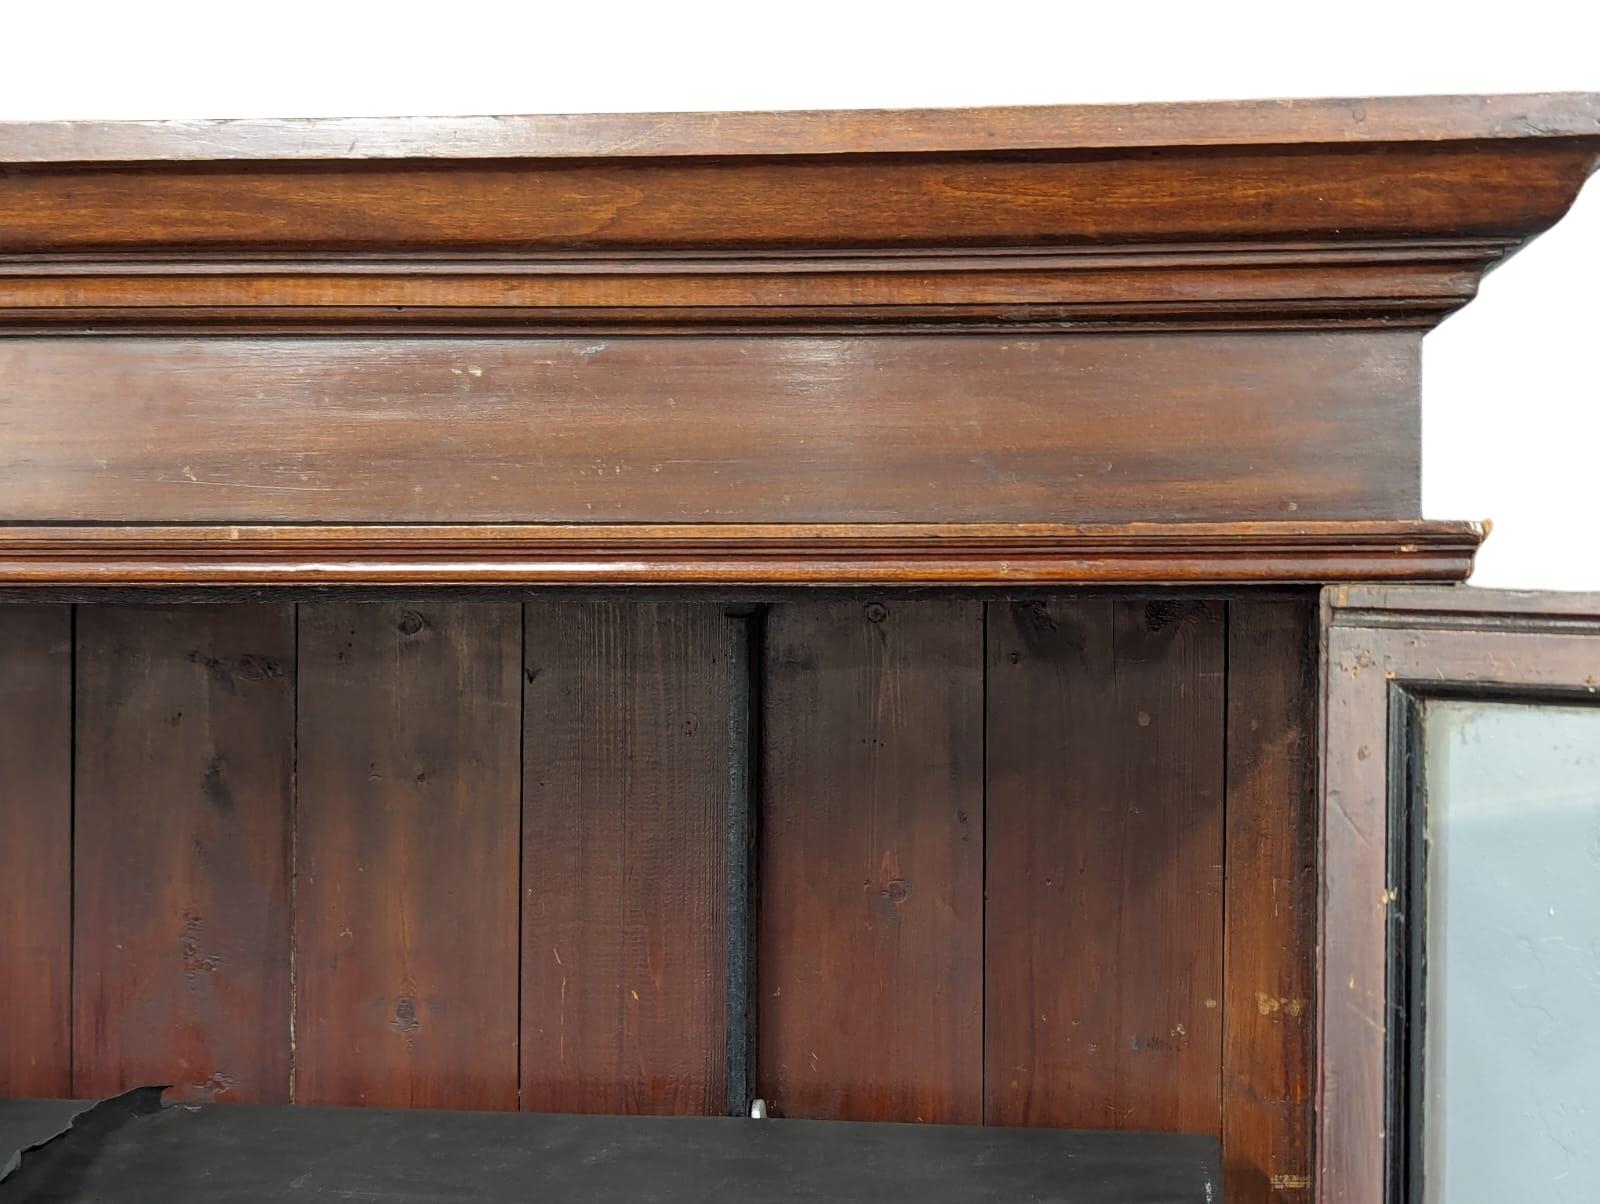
184,762
1104,949
406,854
870,953
1269,1027
624,902
36,850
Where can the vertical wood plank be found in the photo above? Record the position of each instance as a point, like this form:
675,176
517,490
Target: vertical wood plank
871,922
624,858
184,778
406,855
36,850
1104,922
1268,1026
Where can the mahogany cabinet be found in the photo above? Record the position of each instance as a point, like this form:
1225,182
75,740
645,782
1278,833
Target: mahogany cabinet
640,614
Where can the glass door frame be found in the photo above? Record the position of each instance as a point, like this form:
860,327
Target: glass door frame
1385,650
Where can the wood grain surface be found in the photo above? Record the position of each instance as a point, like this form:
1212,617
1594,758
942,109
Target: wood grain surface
934,429
1104,966
36,850
1505,188
1269,1008
181,851
826,132
406,855
871,928
624,936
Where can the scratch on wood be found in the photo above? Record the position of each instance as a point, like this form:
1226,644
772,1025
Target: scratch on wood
1337,799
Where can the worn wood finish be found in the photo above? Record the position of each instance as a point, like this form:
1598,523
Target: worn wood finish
184,768
1068,429
50,558
1269,981
1380,647
1104,957
36,850
1420,119
1165,346
624,858
406,855
1191,313
871,923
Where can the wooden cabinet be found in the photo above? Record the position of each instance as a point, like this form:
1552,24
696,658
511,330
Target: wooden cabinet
639,614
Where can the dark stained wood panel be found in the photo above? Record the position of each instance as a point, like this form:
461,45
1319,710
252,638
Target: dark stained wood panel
965,428
1105,841
36,850
1268,1049
624,997
870,948
406,854
181,926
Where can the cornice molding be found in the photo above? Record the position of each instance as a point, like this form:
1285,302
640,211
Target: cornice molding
1401,283
1370,218
728,554
1272,215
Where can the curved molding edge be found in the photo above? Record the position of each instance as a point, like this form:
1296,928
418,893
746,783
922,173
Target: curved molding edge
839,555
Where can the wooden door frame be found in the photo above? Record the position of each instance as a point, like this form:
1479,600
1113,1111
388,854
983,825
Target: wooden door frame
1384,649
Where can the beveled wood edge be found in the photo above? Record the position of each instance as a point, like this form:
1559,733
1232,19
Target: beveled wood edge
739,554
817,132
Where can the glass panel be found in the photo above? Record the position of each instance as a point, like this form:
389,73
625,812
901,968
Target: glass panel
1511,1029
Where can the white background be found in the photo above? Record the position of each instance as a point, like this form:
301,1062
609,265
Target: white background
1510,392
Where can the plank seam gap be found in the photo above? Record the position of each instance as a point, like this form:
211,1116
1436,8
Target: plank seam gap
1227,793
522,818
755,742
739,673
72,850
983,873
294,851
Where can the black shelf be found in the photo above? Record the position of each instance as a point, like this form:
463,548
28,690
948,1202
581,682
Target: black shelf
132,1148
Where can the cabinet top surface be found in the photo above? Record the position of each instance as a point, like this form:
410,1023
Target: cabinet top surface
1110,127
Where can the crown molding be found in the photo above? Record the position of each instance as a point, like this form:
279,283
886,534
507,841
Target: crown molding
1351,225
1402,283
1272,215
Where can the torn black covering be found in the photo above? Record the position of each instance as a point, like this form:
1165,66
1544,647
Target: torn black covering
239,1154
45,1141
27,1123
